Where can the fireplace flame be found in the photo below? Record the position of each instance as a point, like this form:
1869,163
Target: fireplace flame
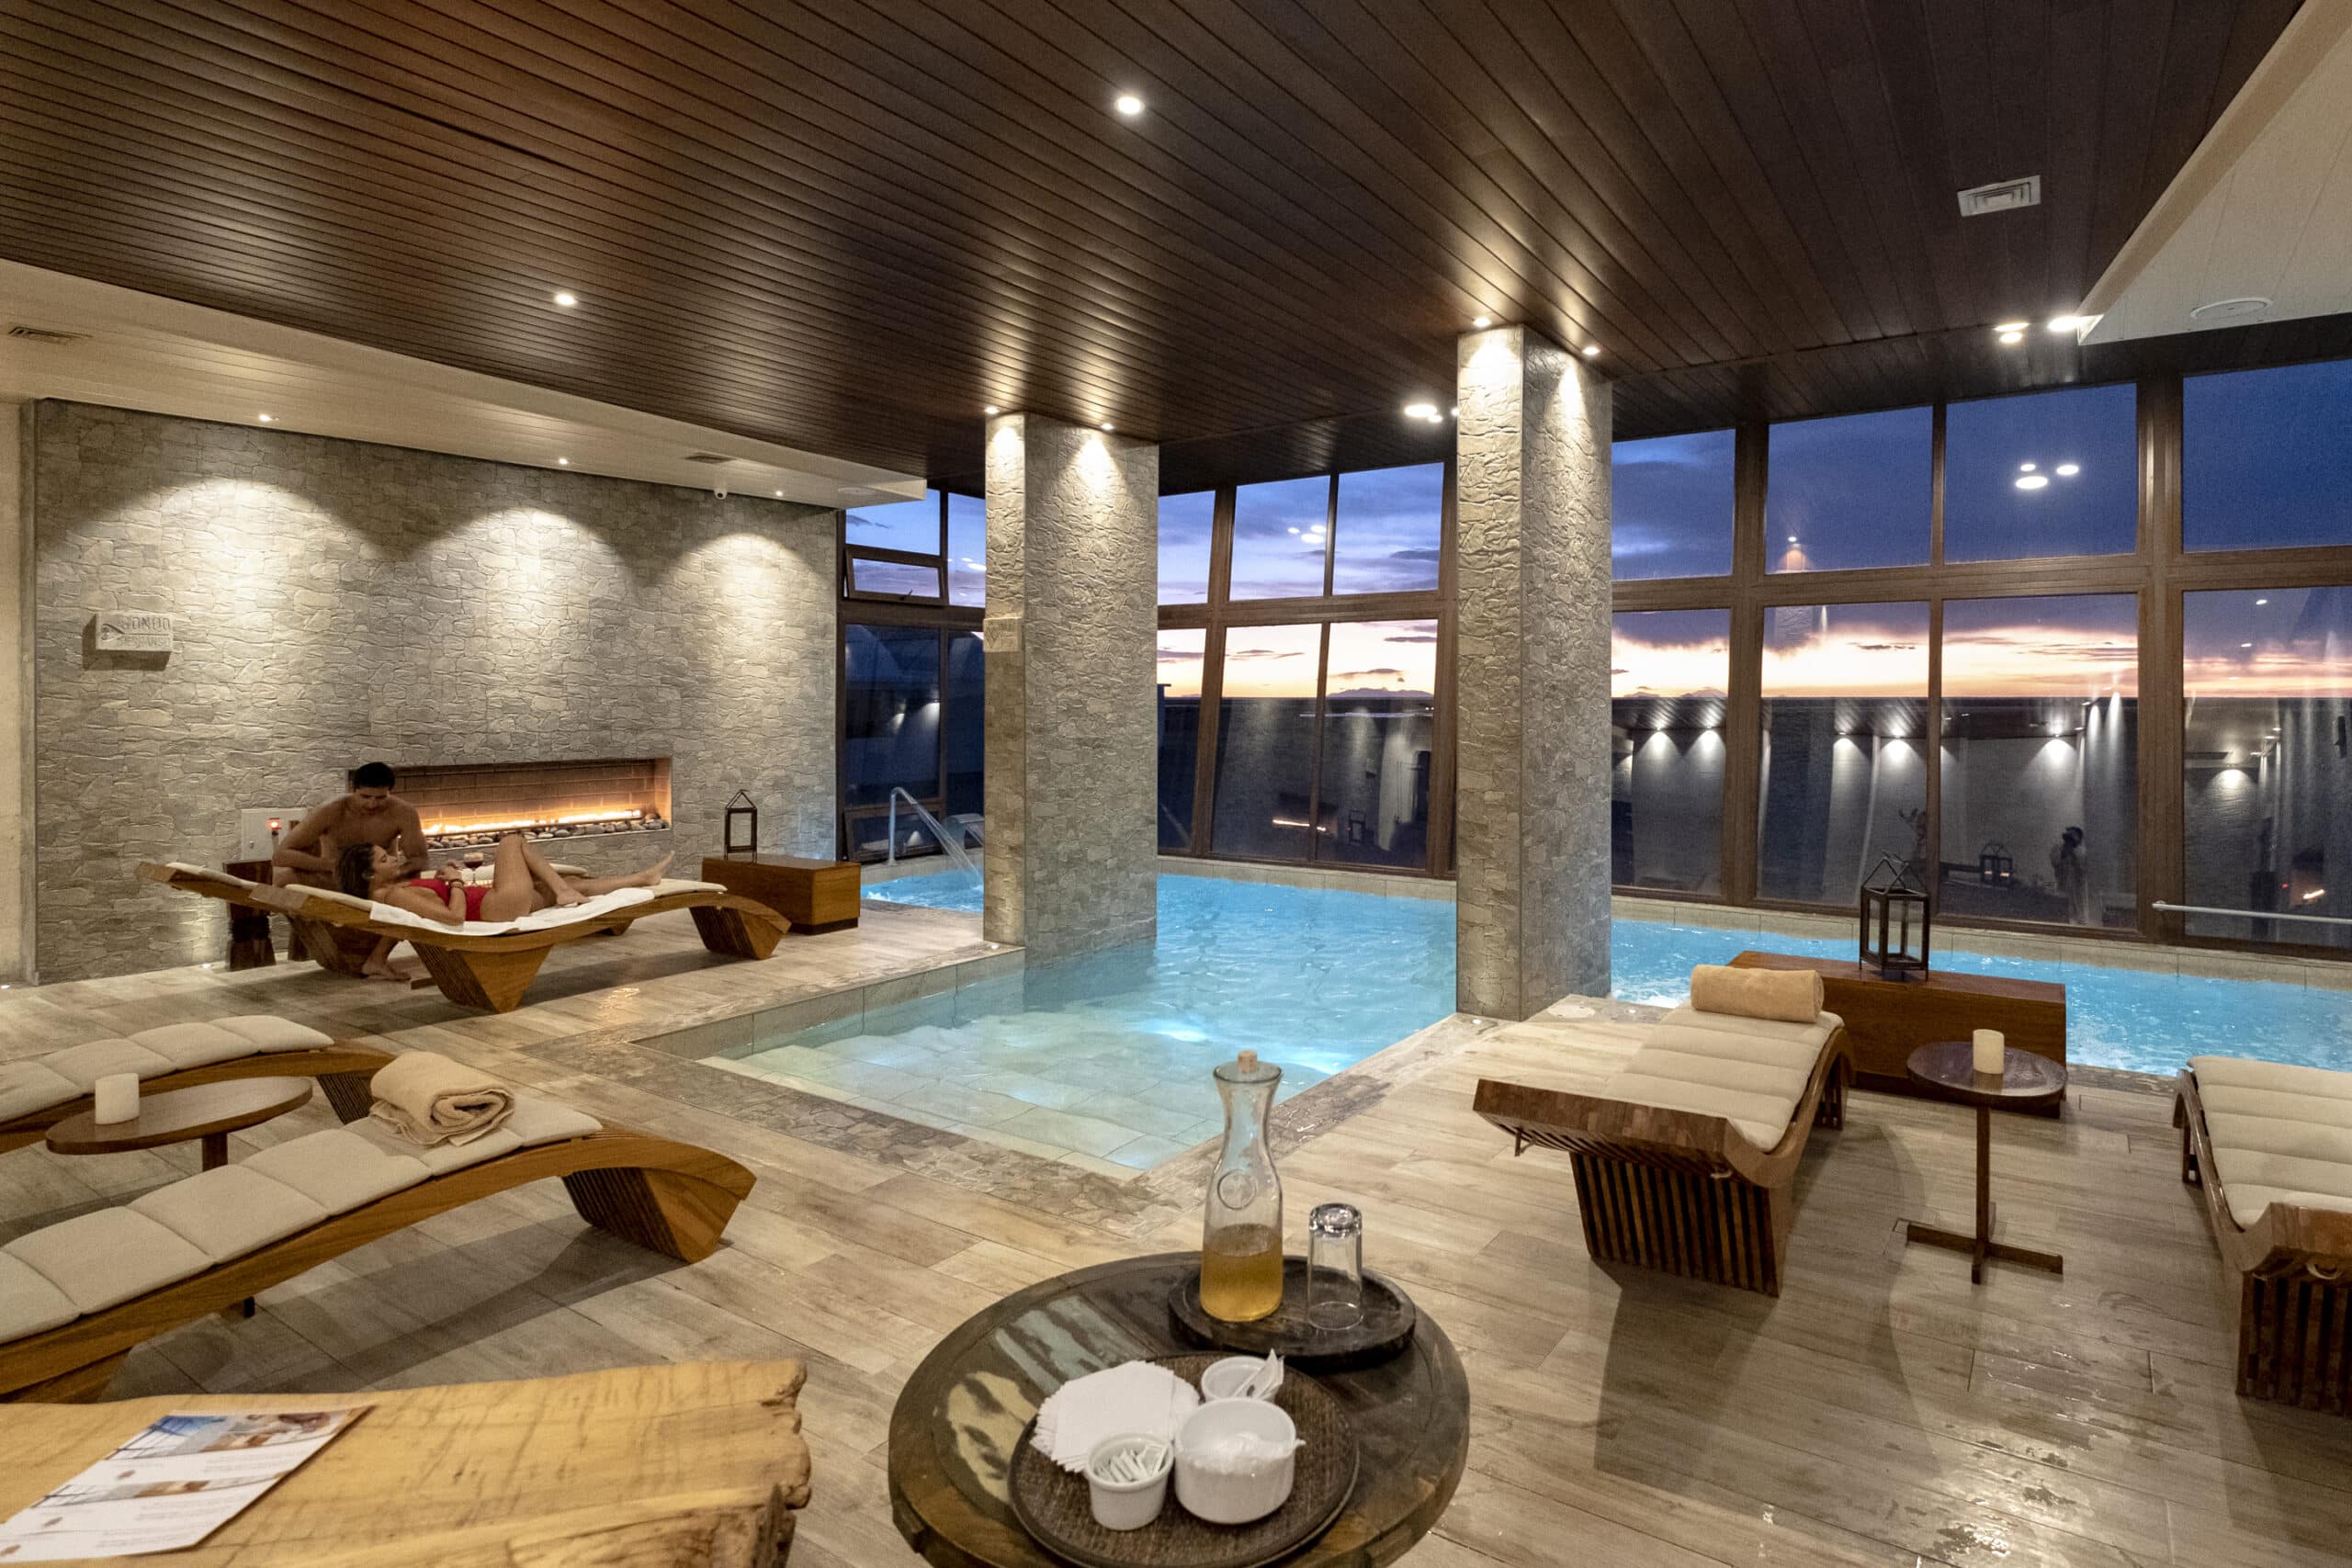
530,824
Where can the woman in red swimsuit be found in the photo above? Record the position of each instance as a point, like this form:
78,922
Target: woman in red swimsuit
521,881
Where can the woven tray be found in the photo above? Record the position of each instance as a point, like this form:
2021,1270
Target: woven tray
1387,1326
1052,1505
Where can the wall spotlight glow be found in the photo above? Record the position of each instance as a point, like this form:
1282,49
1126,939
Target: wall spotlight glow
2262,601
267,418
1591,350
2014,335
991,409
2245,644
563,462
1127,104
2033,482
1106,424
2010,326
2027,467
1421,411
1482,321
2070,324
565,300
2068,470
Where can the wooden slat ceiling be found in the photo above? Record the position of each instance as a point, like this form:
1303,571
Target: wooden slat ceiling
847,227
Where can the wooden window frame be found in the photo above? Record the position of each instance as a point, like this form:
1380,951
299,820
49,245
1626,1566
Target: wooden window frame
2158,571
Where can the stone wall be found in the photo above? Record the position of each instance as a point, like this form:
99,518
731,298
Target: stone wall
336,601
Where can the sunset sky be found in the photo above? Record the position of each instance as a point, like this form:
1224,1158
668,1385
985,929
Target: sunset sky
1280,661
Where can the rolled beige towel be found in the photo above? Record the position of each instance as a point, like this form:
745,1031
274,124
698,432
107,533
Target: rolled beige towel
1791,995
427,1099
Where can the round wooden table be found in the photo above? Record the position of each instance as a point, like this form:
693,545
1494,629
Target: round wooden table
957,1422
209,1111
2026,1082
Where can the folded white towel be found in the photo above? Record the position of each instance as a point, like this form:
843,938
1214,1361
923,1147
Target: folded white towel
427,1099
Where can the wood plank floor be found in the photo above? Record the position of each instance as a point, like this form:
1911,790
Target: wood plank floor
1881,1410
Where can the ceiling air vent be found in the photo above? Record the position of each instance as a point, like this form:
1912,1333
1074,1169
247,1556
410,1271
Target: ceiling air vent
2001,196
713,458
45,334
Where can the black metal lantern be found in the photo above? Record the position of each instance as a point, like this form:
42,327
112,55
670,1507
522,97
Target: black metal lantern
1995,867
741,809
1895,922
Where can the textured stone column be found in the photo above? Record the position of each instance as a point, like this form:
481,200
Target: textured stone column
1530,675
1072,623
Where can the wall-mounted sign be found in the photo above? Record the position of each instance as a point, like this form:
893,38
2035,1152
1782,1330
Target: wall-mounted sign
133,631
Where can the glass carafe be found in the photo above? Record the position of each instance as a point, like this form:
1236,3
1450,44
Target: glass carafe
1241,1232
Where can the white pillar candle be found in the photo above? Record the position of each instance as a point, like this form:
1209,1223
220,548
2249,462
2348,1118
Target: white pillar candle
1989,1048
115,1098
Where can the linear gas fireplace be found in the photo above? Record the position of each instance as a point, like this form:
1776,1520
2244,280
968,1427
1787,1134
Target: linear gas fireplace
469,805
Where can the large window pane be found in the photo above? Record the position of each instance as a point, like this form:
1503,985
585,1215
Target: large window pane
2266,457
967,549
1180,734
1391,528
1669,506
2046,474
1186,525
891,714
2268,824
965,745
1852,491
1279,537
1669,670
1265,749
2041,758
1844,779
1379,735
897,524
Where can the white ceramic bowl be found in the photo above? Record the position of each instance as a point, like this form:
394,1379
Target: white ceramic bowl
1223,1497
1224,1380
1127,1505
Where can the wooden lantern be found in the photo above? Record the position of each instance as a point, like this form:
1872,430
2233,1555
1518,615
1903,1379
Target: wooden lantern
1895,922
741,809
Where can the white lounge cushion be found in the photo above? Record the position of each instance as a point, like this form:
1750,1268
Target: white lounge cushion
108,1256
28,1303
586,910
668,885
537,1122
85,1064
1749,1071
28,1086
2279,1133
265,1032
337,1170
210,873
227,1212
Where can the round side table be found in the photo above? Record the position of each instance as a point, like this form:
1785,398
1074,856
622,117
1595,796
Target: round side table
962,1412
207,1113
1947,1069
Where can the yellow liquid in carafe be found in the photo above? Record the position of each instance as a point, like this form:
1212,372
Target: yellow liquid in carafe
1241,1273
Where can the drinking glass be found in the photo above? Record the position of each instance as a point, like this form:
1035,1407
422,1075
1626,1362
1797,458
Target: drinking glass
1335,1266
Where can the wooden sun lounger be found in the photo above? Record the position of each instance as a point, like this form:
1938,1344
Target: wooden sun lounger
668,1197
1677,1191
344,953
343,1072
2288,1281
494,972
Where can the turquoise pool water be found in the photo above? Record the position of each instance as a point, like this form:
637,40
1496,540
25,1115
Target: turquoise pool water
1271,967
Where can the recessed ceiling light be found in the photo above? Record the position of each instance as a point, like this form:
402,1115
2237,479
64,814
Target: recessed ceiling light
267,418
563,462
2070,324
566,299
2236,309
1793,538
2013,336
991,409
2033,482
2262,601
1482,321
1592,351
1127,104
1106,424
2068,470
1421,411
2025,467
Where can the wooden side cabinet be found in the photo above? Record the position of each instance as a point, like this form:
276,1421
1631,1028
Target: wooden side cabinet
816,895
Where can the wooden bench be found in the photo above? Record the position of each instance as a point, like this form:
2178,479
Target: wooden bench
1888,1020
658,1467
1708,1196
669,1197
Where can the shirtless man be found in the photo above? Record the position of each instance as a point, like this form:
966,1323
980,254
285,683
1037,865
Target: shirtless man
370,814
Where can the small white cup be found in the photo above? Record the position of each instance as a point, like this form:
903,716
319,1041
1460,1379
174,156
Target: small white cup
115,1098
1223,1379
1127,1505
1226,1497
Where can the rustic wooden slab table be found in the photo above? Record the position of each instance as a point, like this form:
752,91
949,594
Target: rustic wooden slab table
957,1421
2026,1082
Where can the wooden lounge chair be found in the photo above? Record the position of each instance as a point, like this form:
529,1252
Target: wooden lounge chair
2271,1146
38,1092
491,966
344,953
1686,1159
75,1297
